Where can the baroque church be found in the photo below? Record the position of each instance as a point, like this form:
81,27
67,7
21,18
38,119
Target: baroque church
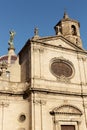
44,87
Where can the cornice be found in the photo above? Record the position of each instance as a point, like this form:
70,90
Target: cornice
54,92
13,87
42,41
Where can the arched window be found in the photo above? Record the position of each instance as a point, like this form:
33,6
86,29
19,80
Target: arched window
73,28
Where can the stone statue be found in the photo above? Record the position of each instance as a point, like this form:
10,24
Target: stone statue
12,34
36,31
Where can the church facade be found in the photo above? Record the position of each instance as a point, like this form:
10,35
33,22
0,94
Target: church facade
45,85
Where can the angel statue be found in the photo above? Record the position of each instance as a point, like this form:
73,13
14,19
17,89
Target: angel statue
12,34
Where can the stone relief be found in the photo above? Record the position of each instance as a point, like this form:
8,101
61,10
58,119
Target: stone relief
11,87
62,69
42,102
66,109
40,49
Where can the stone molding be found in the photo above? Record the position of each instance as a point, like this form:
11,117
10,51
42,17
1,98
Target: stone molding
40,49
4,104
13,88
79,57
62,78
21,128
41,102
66,109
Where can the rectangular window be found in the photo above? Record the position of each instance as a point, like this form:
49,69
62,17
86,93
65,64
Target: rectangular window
67,127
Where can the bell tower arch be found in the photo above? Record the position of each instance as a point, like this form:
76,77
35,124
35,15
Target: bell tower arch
70,29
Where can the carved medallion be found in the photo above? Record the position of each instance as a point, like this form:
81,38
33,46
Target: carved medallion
62,68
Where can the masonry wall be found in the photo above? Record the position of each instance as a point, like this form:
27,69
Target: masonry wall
45,103
14,113
25,63
42,57
50,93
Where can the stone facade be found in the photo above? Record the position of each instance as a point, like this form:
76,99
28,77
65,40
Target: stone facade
46,86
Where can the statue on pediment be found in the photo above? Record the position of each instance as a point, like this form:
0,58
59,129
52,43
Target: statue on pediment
12,34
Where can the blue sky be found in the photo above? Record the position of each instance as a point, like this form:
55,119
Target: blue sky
23,16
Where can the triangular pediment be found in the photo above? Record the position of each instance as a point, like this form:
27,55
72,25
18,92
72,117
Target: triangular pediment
66,109
61,42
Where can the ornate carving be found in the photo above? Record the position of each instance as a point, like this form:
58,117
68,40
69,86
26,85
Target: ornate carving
79,57
66,109
62,69
40,49
63,79
4,104
41,102
12,87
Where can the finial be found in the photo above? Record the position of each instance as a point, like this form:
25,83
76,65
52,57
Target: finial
36,35
65,14
12,34
36,31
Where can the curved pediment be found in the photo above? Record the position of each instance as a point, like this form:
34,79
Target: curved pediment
66,109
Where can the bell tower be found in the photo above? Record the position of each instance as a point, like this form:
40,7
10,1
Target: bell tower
70,29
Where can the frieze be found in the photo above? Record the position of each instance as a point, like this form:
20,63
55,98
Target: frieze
40,49
13,88
67,119
41,102
66,109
